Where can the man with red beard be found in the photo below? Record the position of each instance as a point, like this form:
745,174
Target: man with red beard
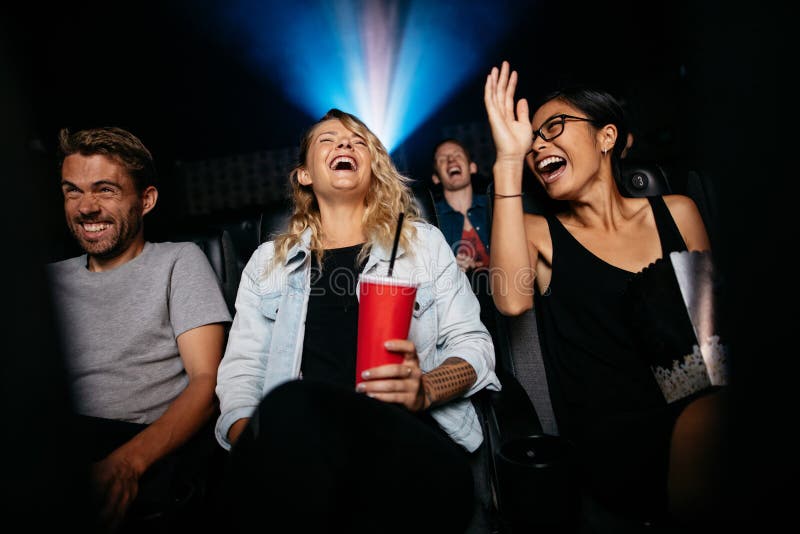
142,326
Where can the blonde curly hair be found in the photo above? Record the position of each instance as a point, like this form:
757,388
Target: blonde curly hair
389,194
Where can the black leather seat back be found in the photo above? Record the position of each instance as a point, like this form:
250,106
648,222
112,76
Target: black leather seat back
643,179
220,250
273,222
703,190
424,201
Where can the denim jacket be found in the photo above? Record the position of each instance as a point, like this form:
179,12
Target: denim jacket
265,343
452,222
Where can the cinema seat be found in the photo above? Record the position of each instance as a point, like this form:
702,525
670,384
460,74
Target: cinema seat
221,253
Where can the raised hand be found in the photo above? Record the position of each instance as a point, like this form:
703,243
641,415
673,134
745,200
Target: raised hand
510,124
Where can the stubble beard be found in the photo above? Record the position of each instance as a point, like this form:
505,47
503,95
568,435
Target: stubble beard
123,233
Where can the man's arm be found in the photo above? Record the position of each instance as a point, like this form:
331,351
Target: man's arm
201,351
118,474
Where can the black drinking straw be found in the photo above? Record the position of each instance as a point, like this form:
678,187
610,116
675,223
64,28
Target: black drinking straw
396,241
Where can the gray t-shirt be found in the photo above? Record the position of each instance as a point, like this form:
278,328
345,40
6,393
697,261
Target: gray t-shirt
119,328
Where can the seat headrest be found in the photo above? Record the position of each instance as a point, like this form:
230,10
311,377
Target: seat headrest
423,199
642,179
272,222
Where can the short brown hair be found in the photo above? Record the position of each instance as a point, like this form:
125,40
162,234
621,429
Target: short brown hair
120,145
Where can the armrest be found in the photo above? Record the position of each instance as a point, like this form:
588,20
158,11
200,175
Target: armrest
510,412
531,473
505,415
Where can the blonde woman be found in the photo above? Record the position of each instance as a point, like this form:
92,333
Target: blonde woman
310,450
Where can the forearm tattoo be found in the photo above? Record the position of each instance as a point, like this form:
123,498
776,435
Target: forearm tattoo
449,380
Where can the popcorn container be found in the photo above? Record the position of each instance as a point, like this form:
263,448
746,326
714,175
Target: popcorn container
671,306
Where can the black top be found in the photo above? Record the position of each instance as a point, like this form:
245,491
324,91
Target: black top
605,397
329,349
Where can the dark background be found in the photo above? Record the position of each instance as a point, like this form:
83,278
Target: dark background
176,76
707,85
173,75
162,70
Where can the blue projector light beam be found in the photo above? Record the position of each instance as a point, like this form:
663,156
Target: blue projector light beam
391,63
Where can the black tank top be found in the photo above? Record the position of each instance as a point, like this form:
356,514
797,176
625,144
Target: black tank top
605,397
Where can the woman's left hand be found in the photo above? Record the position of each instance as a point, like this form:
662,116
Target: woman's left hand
400,383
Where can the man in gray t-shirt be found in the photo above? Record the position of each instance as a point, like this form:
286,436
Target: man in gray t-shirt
142,324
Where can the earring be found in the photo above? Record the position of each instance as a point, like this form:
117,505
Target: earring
604,151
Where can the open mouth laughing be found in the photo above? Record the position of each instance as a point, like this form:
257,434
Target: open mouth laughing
344,163
551,167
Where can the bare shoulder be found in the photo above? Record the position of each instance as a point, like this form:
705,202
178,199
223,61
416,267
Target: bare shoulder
681,205
537,232
540,248
537,229
690,223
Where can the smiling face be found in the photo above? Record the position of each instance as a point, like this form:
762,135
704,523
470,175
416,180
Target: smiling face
453,168
104,211
570,160
338,163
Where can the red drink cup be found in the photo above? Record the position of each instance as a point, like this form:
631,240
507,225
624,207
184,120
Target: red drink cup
384,313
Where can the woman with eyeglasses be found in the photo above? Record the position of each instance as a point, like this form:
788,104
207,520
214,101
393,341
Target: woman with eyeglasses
574,265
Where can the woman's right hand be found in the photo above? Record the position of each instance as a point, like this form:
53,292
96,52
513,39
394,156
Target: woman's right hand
512,132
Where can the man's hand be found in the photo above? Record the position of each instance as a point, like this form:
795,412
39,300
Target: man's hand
466,262
116,477
116,484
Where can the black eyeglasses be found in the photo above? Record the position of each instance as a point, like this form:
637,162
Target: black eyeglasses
555,127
